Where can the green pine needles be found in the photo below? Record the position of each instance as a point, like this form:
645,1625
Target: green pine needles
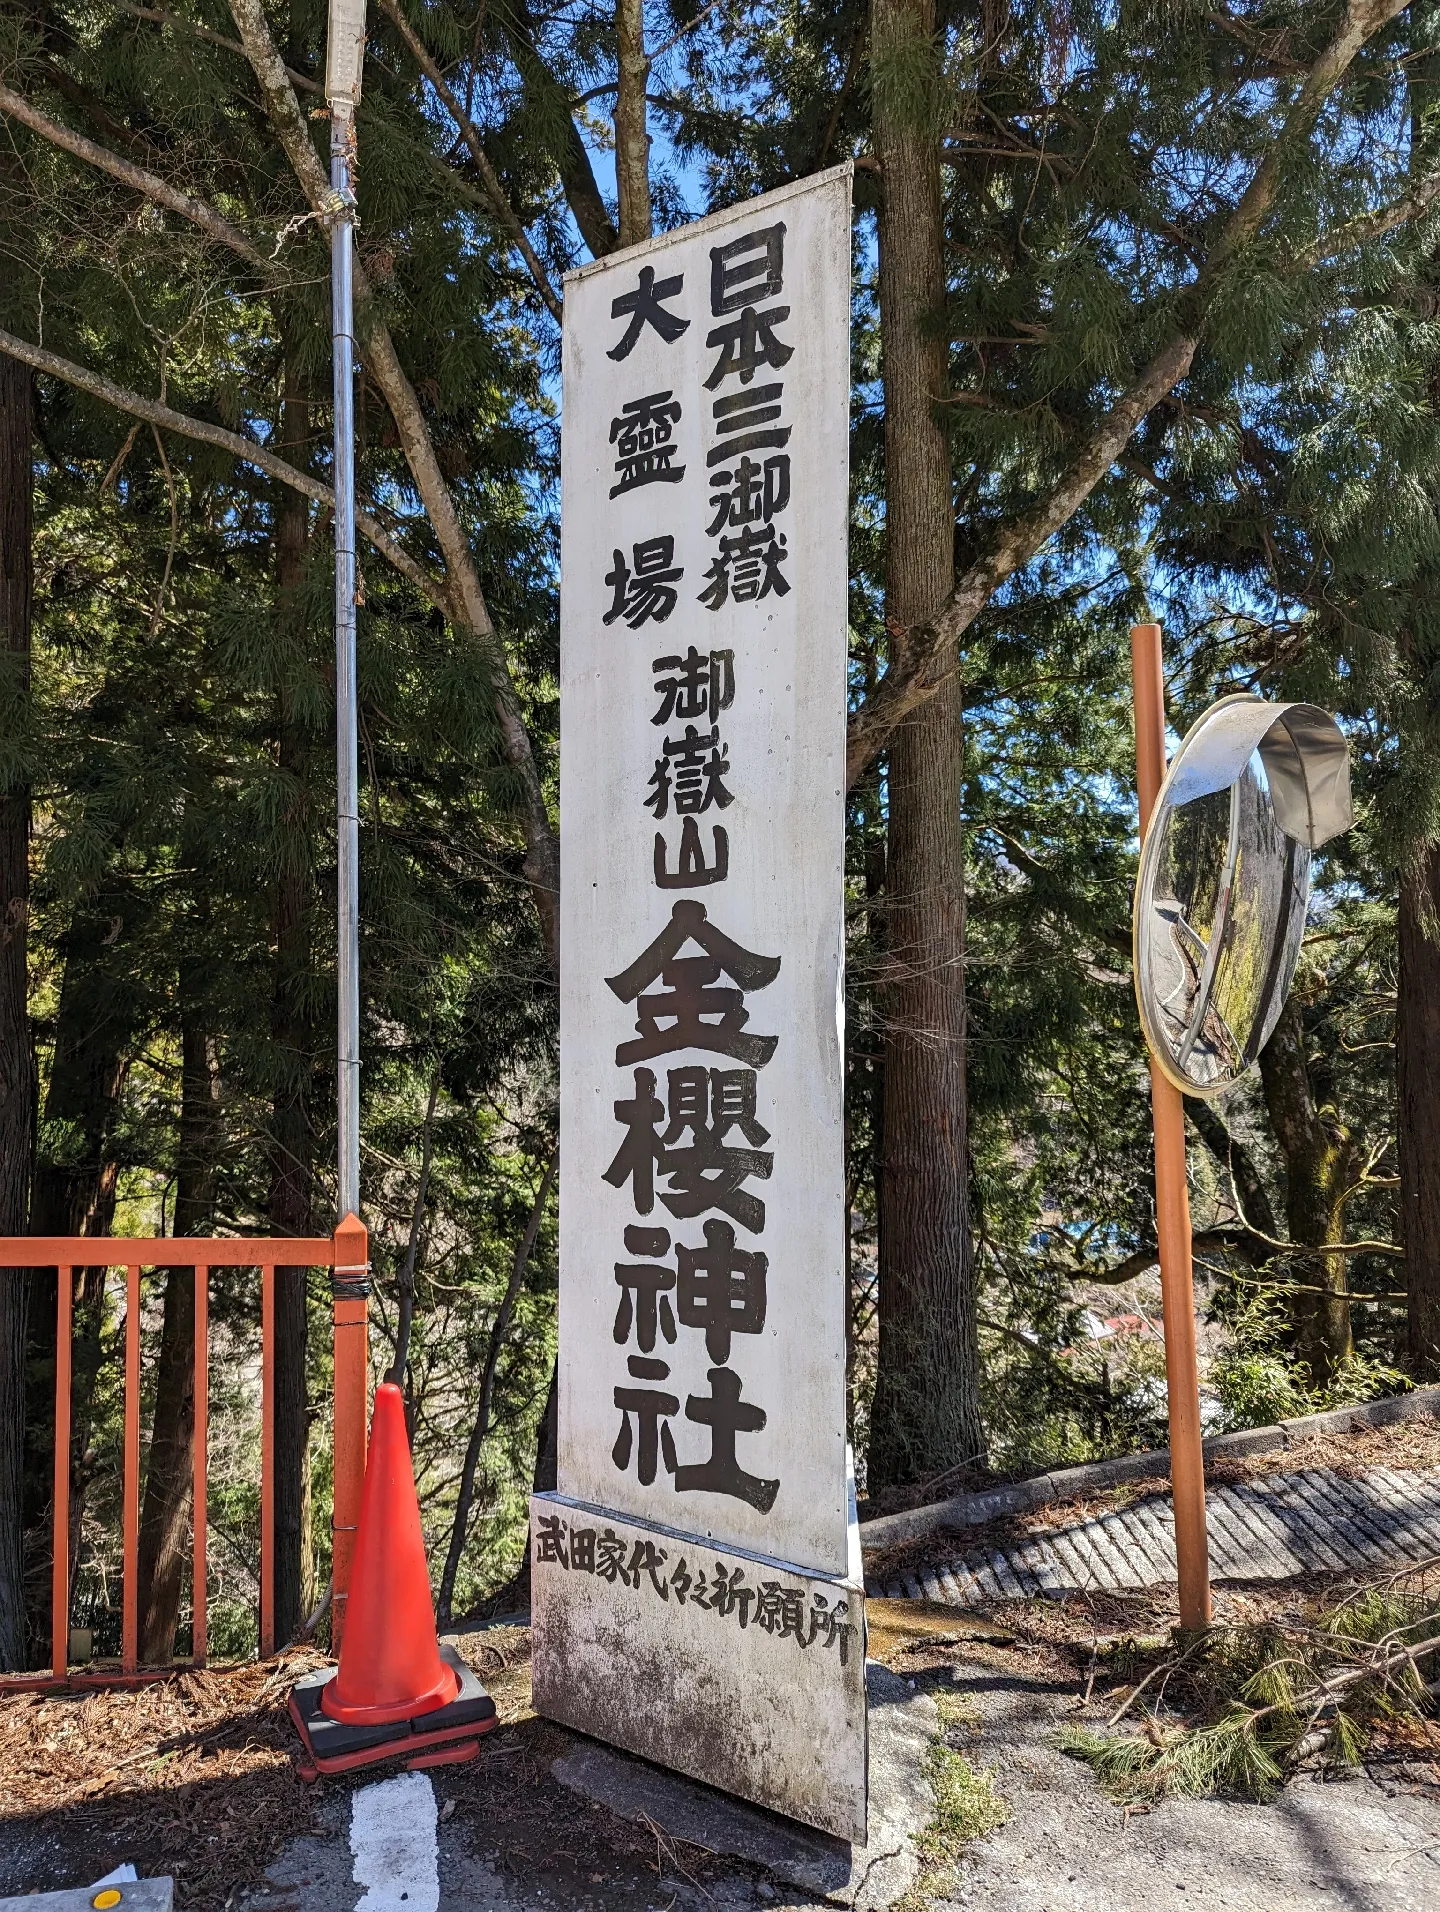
1264,1699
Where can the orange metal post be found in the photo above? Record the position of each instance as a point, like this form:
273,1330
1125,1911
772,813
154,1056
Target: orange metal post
60,1525
199,1474
349,1287
130,1629
1172,1201
267,1462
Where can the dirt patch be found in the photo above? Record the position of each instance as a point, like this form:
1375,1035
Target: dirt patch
196,1777
542,1837
501,1657
536,1831
1408,1446
193,1776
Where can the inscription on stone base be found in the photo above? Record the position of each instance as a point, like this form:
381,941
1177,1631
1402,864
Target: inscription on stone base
741,1671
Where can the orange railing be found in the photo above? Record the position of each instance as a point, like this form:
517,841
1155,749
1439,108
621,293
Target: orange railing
345,1255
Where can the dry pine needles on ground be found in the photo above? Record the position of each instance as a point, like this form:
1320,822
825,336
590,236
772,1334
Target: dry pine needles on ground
195,1777
196,1770
1410,1446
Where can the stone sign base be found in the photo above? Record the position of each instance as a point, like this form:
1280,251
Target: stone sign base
742,1671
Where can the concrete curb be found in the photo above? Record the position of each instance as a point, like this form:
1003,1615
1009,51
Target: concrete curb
1075,1483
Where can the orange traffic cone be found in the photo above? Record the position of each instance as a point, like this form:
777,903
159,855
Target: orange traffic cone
397,1692
390,1665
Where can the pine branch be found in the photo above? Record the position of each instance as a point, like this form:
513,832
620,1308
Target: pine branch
1273,47
149,184
853,59
1109,936
1321,1250
399,394
1252,1202
577,176
683,33
192,27
542,847
246,449
1372,225
1253,1245
1245,1677
1143,1258
94,108
927,655
494,189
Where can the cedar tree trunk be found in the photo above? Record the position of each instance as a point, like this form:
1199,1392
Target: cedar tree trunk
926,1414
74,1194
632,138
1417,1015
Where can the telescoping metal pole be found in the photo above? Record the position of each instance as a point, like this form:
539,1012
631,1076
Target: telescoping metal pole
342,309
1172,1201
350,1276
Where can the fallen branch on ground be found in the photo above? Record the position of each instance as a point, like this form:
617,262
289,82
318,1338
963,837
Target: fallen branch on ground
1270,1697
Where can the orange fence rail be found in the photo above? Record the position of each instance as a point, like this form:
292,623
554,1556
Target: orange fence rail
346,1256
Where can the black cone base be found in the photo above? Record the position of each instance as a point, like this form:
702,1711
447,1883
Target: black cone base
337,1748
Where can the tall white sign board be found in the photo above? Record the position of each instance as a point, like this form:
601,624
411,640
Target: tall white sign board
696,1586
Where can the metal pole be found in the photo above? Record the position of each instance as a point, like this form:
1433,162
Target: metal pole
1172,1200
350,1276
342,305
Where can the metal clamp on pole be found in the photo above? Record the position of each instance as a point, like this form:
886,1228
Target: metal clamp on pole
350,1283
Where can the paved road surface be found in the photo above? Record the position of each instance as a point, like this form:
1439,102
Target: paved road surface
1344,1846
1348,1846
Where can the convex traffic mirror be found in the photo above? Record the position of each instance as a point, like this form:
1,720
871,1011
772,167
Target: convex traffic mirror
1225,881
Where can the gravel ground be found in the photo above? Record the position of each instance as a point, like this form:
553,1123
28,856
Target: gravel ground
1369,1844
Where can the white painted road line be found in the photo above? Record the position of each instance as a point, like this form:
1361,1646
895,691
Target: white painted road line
392,1839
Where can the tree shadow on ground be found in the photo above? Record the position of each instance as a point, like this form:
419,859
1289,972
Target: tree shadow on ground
177,1781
